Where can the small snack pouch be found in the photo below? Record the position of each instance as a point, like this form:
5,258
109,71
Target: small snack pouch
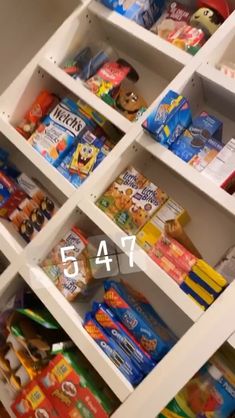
113,351
126,308
58,131
106,318
168,121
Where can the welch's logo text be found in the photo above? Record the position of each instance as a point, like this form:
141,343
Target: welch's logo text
67,119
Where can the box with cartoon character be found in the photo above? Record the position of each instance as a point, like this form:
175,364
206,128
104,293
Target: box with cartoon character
131,200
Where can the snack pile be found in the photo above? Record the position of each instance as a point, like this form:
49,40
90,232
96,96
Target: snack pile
141,208
23,201
185,26
197,141
43,371
128,330
110,78
70,135
210,393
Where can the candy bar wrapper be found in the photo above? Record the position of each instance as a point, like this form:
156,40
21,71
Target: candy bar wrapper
105,317
113,350
126,309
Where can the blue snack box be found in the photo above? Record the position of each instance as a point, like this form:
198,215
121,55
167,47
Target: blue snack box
143,12
194,139
106,318
58,131
63,168
169,120
129,314
186,289
113,351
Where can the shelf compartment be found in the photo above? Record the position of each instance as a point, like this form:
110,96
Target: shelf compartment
71,315
208,221
155,66
181,363
11,243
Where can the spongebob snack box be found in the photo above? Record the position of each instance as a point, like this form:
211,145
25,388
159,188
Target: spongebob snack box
169,120
152,230
211,392
32,402
143,12
131,200
58,131
69,387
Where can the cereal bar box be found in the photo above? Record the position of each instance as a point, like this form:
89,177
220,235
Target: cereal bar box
131,200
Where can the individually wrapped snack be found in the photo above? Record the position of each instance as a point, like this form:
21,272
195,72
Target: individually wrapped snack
126,308
188,38
113,351
41,106
105,317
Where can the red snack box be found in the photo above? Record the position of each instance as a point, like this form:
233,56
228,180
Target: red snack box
175,273
178,12
176,253
32,403
65,388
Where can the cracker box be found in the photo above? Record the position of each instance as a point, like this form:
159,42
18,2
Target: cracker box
223,166
70,391
57,133
168,121
194,139
131,200
206,155
152,230
143,12
32,402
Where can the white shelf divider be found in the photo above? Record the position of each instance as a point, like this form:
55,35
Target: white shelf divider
144,262
38,160
77,88
70,320
231,340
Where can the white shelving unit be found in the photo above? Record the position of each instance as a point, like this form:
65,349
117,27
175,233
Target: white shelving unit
161,67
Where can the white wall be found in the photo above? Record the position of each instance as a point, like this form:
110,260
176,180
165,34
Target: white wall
25,25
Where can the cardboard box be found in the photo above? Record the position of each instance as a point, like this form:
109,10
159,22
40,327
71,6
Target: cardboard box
223,166
152,230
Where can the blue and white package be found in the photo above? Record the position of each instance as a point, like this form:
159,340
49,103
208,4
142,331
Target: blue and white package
128,311
169,119
106,318
63,168
194,139
143,12
112,350
58,131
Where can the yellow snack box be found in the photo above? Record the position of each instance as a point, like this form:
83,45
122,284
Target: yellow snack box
152,230
207,279
206,296
212,273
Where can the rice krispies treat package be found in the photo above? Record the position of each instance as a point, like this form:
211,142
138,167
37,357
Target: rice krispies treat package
131,200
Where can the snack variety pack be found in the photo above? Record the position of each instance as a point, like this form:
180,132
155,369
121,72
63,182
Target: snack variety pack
39,365
197,142
24,201
70,136
186,26
128,330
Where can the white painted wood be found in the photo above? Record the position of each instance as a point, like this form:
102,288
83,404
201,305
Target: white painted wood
158,63
231,340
